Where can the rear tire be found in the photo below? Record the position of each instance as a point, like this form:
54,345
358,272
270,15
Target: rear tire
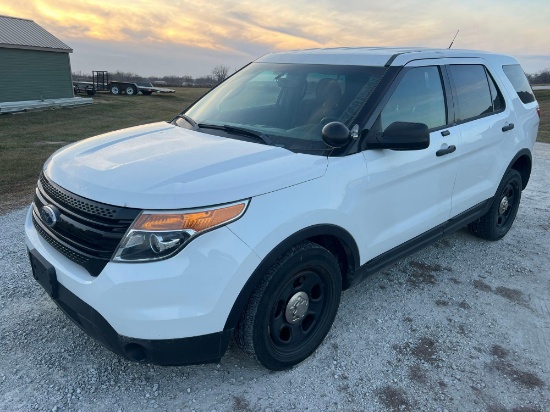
292,309
131,90
499,219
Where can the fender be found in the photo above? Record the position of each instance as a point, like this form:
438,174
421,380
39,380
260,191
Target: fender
524,169
344,237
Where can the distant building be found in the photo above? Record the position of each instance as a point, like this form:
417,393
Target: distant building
34,64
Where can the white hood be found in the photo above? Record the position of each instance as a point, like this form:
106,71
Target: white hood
161,166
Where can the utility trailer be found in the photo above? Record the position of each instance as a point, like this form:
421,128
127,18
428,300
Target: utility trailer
101,83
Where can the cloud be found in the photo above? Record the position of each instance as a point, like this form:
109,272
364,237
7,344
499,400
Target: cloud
243,30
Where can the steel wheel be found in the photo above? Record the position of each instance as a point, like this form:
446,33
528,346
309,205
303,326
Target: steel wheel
115,89
506,203
296,311
292,310
130,90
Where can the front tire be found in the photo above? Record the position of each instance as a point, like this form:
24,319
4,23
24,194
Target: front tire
293,308
499,219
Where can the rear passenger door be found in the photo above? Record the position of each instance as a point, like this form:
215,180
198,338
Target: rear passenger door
485,125
409,191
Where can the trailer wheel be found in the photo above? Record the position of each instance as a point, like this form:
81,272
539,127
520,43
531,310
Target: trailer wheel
90,92
131,90
115,89
146,93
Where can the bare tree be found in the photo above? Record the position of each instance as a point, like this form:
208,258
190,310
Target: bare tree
219,73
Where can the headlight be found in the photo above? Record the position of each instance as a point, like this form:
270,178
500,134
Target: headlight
157,235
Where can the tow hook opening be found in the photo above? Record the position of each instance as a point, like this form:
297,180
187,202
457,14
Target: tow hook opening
136,352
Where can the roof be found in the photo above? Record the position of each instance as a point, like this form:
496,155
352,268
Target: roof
373,56
26,34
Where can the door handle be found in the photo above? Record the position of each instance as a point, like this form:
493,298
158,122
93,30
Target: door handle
443,152
445,133
508,127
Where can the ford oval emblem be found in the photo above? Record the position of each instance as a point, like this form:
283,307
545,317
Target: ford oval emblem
49,215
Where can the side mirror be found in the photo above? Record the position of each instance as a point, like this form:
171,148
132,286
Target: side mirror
336,134
401,136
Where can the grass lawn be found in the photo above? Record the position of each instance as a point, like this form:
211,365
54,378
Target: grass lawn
543,97
28,139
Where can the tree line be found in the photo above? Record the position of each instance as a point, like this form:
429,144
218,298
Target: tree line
217,75
542,77
220,73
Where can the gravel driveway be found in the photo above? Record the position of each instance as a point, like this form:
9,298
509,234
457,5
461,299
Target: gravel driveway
462,326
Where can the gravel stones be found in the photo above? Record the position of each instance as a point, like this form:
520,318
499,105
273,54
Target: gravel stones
462,325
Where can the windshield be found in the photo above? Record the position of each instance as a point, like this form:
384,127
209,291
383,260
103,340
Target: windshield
289,103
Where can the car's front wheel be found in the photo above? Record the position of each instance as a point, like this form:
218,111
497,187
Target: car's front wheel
293,308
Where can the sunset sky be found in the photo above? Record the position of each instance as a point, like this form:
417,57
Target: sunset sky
165,37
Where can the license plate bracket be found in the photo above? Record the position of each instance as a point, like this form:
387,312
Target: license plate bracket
44,273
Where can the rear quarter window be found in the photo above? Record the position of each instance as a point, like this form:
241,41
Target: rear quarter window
517,77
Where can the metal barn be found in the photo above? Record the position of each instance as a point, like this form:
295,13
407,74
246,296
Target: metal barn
34,64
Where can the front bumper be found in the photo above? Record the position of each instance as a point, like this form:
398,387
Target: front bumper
167,312
184,351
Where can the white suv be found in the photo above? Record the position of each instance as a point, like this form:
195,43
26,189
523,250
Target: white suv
251,211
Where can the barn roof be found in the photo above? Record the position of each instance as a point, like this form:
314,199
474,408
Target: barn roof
17,33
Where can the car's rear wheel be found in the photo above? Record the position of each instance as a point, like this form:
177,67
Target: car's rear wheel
293,308
499,219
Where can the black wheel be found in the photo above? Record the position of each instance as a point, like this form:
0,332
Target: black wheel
498,220
90,92
146,93
293,308
131,90
115,89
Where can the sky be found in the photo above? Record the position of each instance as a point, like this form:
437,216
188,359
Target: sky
176,37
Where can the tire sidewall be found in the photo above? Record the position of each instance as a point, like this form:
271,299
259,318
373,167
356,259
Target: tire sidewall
326,266
514,178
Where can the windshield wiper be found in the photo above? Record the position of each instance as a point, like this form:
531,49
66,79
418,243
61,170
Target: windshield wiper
239,130
189,120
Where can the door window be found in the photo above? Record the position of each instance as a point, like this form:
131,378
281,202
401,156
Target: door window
472,89
418,98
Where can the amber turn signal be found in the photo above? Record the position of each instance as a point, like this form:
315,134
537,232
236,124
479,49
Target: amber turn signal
195,221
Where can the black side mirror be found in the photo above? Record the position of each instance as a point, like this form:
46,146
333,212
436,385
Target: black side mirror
401,136
336,134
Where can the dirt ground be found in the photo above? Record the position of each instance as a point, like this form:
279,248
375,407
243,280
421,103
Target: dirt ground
463,325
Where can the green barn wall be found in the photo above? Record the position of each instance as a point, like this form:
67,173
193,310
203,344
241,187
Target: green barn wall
34,75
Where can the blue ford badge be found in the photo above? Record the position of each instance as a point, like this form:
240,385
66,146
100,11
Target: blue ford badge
49,215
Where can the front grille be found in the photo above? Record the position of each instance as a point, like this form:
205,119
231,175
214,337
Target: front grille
71,254
76,202
87,232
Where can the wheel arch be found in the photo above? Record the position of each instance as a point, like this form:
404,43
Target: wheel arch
333,238
522,162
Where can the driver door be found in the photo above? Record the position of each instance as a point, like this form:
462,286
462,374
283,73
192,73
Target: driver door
409,192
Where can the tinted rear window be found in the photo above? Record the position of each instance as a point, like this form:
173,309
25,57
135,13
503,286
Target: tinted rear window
474,96
518,79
